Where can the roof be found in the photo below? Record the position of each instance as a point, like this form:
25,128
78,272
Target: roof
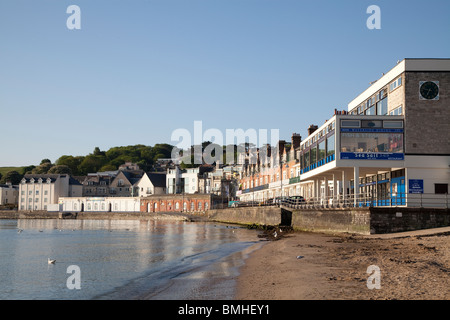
74,182
157,179
52,177
44,177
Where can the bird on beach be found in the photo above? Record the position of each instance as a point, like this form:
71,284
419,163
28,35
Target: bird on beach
51,261
19,231
275,234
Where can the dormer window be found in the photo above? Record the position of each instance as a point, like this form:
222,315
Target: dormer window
49,180
40,180
32,180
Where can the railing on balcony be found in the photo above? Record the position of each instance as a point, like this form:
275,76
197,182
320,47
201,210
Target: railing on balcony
423,200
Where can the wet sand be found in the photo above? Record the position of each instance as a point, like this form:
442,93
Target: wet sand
311,266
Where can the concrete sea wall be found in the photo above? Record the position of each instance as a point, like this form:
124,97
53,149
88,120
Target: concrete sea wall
350,220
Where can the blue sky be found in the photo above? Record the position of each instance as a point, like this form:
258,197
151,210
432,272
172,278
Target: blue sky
138,70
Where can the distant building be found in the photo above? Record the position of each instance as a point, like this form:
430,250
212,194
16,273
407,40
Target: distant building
97,184
9,194
42,191
150,184
123,185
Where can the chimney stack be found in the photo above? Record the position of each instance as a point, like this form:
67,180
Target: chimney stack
296,140
312,128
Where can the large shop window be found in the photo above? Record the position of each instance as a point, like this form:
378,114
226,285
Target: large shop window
330,146
321,150
372,142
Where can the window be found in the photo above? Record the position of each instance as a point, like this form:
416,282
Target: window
397,111
45,199
394,85
192,206
371,124
313,154
306,161
350,123
330,145
382,107
393,124
321,151
441,188
45,192
372,142
199,206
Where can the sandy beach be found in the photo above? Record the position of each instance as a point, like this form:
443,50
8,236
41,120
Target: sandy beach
312,266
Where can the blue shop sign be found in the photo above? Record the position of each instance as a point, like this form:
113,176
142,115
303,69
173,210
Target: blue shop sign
371,156
415,186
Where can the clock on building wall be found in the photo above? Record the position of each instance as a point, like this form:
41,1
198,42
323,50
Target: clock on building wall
429,90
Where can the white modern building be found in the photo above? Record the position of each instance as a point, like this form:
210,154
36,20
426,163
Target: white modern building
391,147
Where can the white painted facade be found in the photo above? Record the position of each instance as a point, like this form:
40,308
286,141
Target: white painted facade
146,187
42,192
99,204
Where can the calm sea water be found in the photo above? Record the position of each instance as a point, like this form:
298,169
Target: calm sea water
121,259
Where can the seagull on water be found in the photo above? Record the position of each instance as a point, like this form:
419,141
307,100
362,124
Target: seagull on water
51,261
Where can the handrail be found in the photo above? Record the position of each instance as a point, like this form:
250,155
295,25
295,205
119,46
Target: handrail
418,200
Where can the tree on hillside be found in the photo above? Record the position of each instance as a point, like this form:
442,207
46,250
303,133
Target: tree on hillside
12,176
45,161
91,164
61,169
97,152
72,162
42,168
28,169
107,167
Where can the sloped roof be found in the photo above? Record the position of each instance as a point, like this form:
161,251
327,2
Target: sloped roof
157,179
44,177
